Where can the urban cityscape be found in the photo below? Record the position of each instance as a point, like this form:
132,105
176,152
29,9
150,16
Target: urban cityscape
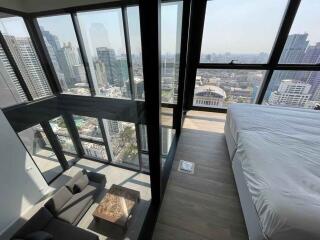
219,88
109,70
111,80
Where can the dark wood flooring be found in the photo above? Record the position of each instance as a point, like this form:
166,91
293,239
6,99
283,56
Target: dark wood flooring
205,205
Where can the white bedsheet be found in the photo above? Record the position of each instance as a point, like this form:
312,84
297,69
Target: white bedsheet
288,121
283,176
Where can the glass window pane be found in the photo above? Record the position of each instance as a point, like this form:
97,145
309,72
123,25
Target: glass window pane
219,88
294,89
167,137
136,56
94,150
167,117
61,42
303,43
11,91
40,150
145,162
103,36
171,14
58,126
88,127
240,31
24,54
143,138
123,142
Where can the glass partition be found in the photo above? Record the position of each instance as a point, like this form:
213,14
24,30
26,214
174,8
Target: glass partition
60,129
41,152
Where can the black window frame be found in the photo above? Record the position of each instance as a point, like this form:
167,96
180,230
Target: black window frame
198,11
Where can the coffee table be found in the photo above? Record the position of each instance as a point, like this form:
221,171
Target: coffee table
117,206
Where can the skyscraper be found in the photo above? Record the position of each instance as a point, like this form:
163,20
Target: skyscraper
293,52
10,89
295,48
101,74
312,56
29,65
108,57
54,53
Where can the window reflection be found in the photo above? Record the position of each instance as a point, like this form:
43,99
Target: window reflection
40,150
59,127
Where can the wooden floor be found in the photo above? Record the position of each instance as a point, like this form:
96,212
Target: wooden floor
205,205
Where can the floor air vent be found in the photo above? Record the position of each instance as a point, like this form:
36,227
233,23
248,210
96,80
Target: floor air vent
186,167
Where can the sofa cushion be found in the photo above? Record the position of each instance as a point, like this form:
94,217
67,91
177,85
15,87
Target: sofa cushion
59,199
80,184
37,222
39,235
73,208
65,231
72,181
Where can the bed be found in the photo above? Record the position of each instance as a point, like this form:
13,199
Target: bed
251,117
275,160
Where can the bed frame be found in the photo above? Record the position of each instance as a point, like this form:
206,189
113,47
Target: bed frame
249,211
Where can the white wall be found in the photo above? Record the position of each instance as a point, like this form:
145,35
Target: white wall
44,5
21,184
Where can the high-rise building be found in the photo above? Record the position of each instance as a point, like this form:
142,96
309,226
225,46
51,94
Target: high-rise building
51,39
291,93
108,57
101,73
10,90
29,65
79,73
67,58
54,59
295,48
312,56
293,52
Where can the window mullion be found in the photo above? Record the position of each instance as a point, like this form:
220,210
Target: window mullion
128,51
280,42
198,11
84,56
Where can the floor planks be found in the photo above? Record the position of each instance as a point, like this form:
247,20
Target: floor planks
205,205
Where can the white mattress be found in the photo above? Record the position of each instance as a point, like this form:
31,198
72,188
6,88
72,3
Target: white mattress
283,177
283,120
